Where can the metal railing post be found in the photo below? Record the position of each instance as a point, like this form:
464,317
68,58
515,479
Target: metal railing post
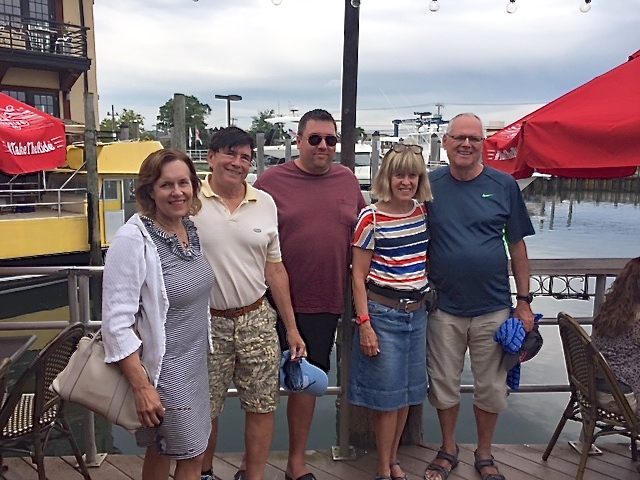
72,292
598,298
344,451
91,457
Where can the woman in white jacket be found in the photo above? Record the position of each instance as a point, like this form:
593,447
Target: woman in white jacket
155,313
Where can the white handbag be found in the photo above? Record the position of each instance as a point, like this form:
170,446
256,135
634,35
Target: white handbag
98,386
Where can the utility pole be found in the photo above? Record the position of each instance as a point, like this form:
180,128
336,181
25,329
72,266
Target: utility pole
113,122
349,84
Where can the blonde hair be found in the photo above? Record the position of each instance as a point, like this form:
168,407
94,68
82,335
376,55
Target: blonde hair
405,162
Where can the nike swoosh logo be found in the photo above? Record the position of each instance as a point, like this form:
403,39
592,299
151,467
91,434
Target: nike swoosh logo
487,195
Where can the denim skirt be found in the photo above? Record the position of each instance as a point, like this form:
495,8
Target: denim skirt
397,376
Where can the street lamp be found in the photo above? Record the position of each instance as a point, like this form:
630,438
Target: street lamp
229,99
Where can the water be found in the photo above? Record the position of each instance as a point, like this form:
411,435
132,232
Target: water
569,224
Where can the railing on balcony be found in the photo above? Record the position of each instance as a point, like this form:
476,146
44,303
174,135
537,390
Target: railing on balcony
42,36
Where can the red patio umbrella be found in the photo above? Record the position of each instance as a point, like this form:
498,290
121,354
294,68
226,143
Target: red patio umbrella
590,132
30,140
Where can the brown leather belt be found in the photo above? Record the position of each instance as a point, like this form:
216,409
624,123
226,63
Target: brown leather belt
403,304
236,312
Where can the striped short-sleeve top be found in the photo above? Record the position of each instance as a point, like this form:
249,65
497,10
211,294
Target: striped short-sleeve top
399,243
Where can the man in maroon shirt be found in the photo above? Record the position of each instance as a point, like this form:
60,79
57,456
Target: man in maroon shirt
318,203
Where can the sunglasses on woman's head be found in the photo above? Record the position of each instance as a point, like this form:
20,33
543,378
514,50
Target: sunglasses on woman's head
314,140
402,147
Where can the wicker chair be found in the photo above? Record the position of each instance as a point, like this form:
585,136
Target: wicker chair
5,365
583,360
32,412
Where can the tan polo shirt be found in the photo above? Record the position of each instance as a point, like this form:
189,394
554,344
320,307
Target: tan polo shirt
237,245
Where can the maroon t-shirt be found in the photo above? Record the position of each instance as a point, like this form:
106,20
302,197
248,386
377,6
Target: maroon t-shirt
316,218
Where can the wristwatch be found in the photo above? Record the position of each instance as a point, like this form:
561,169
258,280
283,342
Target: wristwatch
525,298
360,319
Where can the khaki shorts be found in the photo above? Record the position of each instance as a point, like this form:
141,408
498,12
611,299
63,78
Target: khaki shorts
245,351
448,338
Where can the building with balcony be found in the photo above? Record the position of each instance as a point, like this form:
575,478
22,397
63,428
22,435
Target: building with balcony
47,55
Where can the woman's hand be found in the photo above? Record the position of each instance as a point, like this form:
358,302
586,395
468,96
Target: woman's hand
148,405
368,340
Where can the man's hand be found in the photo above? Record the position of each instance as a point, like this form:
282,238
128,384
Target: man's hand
524,313
296,345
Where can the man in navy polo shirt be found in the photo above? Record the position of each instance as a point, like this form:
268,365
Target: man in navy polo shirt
475,210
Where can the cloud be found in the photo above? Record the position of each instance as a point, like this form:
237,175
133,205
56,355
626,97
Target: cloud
470,55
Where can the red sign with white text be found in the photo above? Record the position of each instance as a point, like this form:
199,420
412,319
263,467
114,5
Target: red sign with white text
30,140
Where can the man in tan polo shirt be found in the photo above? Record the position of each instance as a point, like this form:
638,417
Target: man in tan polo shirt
238,230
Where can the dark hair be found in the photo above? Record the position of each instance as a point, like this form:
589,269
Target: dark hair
150,171
620,309
228,138
319,115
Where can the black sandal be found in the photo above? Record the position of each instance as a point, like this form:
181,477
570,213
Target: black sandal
396,463
487,462
439,469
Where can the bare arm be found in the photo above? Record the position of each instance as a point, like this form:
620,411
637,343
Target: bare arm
361,263
148,404
278,281
521,274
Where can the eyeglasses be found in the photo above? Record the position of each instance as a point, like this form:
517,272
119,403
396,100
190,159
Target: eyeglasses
314,140
463,138
402,147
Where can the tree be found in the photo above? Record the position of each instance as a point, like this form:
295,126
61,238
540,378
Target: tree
361,135
196,114
273,133
111,124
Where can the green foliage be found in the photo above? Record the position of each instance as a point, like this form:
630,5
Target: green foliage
274,133
196,114
110,124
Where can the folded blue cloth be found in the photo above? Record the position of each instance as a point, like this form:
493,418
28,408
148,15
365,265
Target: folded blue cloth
511,335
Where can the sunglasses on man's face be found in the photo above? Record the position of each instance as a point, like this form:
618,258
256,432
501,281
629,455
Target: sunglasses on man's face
401,148
314,140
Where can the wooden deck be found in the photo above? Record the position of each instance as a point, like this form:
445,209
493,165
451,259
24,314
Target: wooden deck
516,462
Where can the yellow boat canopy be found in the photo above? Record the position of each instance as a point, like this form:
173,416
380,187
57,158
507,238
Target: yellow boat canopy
115,158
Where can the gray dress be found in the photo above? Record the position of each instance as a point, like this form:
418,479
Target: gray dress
183,385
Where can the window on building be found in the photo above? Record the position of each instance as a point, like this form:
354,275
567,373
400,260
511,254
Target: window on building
37,9
45,101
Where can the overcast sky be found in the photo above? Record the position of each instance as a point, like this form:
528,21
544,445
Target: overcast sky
470,55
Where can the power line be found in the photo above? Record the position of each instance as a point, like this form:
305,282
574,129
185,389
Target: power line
507,104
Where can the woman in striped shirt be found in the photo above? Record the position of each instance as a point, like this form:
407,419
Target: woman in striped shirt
388,369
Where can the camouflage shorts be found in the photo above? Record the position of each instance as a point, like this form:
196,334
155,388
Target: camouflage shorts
245,351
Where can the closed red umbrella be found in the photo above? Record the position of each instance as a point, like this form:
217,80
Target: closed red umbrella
30,140
590,132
